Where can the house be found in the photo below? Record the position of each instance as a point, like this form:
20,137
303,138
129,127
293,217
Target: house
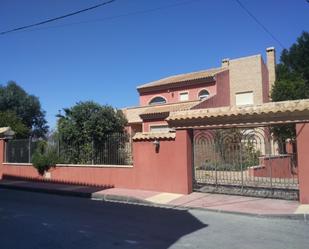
237,82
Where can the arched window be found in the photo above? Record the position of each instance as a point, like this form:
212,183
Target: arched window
203,94
157,101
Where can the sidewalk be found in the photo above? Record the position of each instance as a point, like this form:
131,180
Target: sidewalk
202,201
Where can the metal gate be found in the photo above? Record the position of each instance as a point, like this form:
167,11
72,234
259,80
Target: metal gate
244,161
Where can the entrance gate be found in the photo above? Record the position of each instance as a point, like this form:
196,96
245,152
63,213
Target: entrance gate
244,161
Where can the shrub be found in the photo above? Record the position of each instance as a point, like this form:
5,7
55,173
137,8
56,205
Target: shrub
44,157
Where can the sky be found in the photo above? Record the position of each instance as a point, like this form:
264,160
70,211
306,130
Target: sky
104,54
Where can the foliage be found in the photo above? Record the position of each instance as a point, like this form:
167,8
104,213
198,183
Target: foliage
292,81
235,150
9,119
87,126
26,107
44,157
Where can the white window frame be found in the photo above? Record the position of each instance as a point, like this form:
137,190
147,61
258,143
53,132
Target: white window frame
159,125
198,95
182,93
157,96
244,102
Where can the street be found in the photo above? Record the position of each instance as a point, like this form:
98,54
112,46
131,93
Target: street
37,221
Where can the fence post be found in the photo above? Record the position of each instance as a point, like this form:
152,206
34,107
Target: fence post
92,150
58,149
241,167
29,150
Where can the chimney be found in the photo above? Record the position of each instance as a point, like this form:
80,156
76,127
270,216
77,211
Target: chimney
225,62
271,65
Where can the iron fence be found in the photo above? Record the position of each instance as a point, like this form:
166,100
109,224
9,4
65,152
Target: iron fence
243,158
114,149
20,150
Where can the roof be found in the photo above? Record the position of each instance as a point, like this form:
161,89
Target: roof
154,135
167,108
6,131
276,112
133,114
210,73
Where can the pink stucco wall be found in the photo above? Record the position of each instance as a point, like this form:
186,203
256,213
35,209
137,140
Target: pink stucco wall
132,129
275,167
302,131
172,95
117,177
2,151
167,170
148,123
222,98
265,83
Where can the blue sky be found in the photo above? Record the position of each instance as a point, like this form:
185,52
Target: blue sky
102,55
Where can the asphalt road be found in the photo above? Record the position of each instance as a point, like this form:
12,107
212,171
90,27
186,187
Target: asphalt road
38,221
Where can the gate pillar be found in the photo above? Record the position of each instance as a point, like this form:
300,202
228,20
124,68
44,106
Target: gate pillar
2,151
184,143
302,134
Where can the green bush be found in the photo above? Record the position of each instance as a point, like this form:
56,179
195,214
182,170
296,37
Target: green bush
44,157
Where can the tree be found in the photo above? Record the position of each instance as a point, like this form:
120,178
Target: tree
87,124
9,119
293,72
26,107
292,80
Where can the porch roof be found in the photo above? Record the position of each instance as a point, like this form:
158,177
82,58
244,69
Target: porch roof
293,111
140,136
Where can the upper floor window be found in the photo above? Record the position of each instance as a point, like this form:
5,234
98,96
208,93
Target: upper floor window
157,101
203,94
159,128
245,98
184,96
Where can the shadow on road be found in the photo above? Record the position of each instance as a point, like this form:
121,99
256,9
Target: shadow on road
34,220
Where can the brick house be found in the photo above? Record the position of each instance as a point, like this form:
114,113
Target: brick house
241,81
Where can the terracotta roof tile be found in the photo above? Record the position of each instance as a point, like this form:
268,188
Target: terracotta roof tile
173,107
184,77
266,108
154,135
132,114
6,131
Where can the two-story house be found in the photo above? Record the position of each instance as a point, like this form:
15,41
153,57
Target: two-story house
241,81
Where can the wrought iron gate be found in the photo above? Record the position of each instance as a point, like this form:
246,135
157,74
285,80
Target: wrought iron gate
244,161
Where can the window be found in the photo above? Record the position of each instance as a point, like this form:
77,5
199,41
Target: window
157,101
159,128
203,94
245,98
184,96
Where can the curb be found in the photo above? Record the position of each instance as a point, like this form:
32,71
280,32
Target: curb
120,198
136,201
